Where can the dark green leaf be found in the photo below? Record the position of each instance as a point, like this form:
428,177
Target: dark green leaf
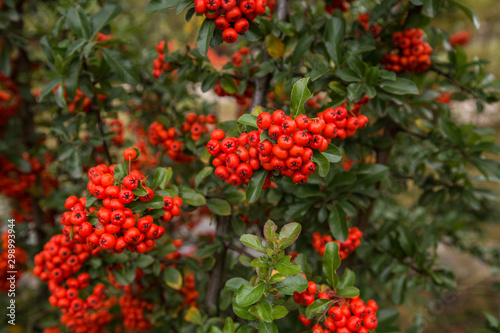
323,163
254,189
248,295
331,261
205,36
120,66
300,94
337,220
219,206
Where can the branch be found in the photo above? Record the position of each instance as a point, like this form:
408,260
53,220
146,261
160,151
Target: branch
216,280
454,82
235,248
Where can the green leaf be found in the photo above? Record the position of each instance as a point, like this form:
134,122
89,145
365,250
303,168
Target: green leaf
262,310
252,242
295,283
161,5
286,267
277,277
334,37
48,89
248,295
347,75
331,261
289,234
471,14
300,94
430,7
107,13
124,276
337,220
332,153
172,277
219,206
205,36
347,280
401,86
451,131
193,315
248,120
228,326
318,306
254,189
192,198
398,288
228,84
161,178
235,283
200,177
323,163
372,76
243,312
78,22
270,232
139,206
267,328
120,66
348,292
72,78
278,312
144,260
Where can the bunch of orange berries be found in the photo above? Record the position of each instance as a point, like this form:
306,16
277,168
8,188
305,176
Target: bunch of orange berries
412,54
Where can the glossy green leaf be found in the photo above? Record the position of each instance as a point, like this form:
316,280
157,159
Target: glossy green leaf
300,94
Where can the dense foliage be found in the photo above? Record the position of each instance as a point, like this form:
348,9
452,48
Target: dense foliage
292,216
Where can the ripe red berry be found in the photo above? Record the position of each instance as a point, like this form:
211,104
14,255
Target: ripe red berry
129,154
242,25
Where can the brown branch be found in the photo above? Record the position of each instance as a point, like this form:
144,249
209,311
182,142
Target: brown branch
235,248
454,82
216,280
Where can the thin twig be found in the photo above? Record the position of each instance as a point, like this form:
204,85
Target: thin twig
454,82
235,248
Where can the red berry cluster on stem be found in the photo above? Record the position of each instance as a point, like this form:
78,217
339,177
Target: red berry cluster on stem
412,53
172,140
159,63
59,264
289,149
345,248
80,102
231,16
346,315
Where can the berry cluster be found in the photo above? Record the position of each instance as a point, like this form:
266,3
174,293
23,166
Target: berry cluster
80,102
364,21
159,63
188,290
58,265
172,140
231,16
460,38
412,53
345,248
243,54
133,312
17,184
343,5
346,316
9,98
117,227
289,149
9,254
116,126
